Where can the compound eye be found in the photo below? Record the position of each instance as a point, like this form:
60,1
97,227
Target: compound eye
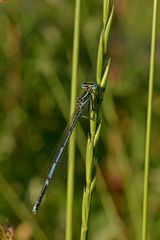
84,85
95,85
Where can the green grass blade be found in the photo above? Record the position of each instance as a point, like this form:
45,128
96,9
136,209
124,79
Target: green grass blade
148,129
71,161
95,126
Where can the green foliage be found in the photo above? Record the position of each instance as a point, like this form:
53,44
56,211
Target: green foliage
96,119
35,72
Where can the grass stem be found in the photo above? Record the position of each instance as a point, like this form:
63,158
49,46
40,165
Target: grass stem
148,129
95,125
71,161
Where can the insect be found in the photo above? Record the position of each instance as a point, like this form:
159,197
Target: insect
82,103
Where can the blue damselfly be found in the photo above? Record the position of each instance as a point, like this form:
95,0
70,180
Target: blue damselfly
82,102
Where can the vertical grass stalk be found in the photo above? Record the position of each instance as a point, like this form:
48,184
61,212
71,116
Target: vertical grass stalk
95,125
71,161
148,129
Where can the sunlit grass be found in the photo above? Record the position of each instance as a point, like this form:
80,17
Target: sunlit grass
71,155
95,122
148,129
38,104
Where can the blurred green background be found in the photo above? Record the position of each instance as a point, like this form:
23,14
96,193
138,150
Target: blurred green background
35,77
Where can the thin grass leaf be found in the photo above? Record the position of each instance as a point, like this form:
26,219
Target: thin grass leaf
104,78
71,162
100,59
95,126
106,4
107,30
148,129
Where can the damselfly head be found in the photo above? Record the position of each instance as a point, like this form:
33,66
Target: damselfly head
92,85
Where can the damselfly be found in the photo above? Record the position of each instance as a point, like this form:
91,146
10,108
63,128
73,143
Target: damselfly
82,102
